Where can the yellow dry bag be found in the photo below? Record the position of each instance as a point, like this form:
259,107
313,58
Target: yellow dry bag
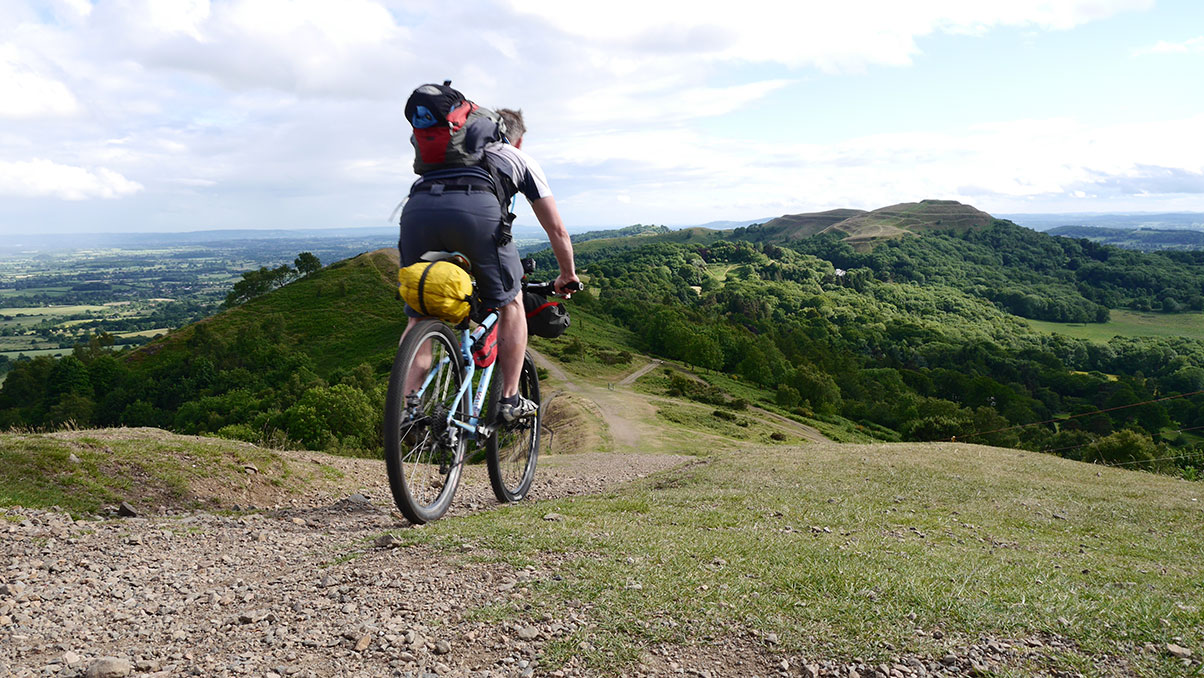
437,288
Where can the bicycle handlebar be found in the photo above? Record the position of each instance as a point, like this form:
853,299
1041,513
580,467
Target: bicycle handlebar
549,288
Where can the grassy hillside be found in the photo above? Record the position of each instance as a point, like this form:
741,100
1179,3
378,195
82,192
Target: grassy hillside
863,229
909,341
344,314
910,218
795,226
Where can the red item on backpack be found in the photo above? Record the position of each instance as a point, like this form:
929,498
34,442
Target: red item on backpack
449,130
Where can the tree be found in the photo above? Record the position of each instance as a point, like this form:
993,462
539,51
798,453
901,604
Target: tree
787,396
307,263
324,416
1128,448
262,281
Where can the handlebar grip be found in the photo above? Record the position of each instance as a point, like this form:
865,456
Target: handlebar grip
574,286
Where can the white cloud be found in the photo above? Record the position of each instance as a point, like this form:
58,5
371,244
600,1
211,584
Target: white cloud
43,178
834,36
1192,46
71,11
663,102
993,166
231,111
25,92
311,47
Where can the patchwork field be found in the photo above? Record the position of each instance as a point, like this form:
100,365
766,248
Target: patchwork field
51,300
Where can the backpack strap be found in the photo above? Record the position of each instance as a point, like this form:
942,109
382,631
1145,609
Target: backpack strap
504,188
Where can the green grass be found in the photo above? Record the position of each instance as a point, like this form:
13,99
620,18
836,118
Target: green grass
1130,324
833,547
145,467
592,347
833,427
742,426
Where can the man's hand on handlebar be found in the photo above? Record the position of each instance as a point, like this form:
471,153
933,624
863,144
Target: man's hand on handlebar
567,284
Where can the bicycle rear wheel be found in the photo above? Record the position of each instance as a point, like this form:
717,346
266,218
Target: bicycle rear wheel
423,453
513,448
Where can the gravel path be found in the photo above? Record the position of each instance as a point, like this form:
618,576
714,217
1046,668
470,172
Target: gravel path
298,589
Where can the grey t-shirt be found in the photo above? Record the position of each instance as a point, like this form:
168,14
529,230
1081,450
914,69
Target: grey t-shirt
526,174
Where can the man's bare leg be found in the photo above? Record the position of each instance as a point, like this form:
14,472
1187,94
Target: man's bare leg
421,364
512,344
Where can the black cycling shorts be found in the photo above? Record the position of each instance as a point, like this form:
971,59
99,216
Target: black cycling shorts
468,223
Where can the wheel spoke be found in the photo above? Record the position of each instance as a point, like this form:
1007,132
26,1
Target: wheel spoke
514,447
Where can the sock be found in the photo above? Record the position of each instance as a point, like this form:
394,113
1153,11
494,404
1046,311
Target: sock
510,400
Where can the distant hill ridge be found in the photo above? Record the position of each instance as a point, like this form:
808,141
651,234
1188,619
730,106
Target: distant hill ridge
1145,239
863,229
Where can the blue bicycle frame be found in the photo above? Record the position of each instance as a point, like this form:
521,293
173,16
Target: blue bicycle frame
467,339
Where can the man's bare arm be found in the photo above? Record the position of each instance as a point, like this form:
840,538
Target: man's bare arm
549,218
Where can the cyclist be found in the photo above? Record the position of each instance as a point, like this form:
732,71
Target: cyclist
463,213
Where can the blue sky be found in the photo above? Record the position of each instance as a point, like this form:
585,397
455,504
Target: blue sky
172,115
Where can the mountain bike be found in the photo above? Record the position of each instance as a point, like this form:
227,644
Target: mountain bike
440,400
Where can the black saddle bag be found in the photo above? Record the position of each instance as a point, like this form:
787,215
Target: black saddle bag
545,318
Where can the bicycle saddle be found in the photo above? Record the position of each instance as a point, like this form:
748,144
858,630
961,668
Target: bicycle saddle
454,257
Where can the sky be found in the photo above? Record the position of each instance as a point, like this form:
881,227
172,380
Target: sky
181,115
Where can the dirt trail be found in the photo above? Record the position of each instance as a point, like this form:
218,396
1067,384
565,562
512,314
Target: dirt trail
630,379
627,413
626,417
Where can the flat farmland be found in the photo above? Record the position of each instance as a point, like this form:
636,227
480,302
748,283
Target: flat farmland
1130,324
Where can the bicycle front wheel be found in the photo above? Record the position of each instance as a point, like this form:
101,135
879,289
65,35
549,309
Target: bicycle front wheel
513,448
423,452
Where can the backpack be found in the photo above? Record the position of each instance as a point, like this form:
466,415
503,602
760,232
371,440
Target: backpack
449,130
450,134
442,289
545,318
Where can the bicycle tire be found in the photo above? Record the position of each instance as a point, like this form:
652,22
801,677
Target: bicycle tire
513,449
424,469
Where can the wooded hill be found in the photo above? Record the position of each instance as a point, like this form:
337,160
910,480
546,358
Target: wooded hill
918,338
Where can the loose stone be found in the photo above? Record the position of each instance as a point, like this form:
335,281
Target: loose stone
109,667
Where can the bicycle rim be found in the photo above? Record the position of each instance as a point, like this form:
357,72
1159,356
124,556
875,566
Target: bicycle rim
423,454
513,449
